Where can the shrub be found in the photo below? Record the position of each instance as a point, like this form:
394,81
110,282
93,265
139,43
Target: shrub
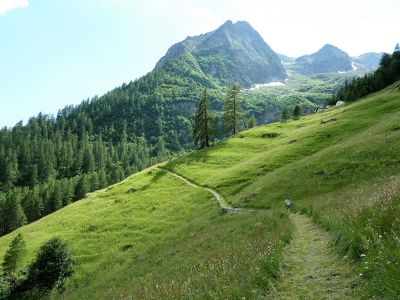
5,289
53,264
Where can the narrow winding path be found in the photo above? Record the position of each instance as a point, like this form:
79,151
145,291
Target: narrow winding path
312,269
223,204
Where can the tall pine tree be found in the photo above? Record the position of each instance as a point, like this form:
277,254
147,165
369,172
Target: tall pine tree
202,122
297,111
232,109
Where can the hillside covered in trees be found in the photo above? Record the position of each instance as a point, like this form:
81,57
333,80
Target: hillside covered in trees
387,73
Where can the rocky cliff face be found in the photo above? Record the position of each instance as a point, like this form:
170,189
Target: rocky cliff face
233,53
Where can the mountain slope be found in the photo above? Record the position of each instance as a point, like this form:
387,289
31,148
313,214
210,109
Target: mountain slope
167,239
368,60
328,59
233,53
341,166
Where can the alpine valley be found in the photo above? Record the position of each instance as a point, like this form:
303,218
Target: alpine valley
109,199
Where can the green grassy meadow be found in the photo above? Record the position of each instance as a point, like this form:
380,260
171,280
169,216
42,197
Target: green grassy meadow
164,240
169,240
344,172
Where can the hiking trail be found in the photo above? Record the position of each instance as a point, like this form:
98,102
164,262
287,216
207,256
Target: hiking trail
223,204
312,269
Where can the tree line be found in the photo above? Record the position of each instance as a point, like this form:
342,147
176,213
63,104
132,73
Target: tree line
387,73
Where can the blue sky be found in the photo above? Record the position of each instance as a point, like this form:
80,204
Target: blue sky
56,52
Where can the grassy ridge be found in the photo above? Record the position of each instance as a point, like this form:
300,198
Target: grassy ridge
345,172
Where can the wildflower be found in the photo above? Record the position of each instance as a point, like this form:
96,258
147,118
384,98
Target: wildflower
360,274
363,255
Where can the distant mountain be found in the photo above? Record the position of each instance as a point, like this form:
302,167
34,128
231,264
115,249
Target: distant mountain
286,59
233,53
326,60
368,60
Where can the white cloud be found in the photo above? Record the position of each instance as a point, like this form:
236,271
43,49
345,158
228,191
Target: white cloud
6,5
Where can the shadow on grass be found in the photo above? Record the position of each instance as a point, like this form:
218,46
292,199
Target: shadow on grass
158,174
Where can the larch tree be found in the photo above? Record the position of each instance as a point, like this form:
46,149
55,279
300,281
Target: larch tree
285,114
232,109
202,122
297,112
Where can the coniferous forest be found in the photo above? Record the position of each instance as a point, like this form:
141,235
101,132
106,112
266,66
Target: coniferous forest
387,73
54,160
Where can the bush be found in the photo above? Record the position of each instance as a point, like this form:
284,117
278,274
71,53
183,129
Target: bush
5,289
53,264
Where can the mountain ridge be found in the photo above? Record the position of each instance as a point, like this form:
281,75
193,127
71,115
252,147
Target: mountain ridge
233,53
331,59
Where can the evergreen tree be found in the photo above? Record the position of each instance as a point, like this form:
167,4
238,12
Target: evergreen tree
33,176
159,150
251,122
68,191
11,214
202,122
10,175
55,200
13,254
232,109
33,205
297,111
88,164
102,179
173,141
82,188
285,114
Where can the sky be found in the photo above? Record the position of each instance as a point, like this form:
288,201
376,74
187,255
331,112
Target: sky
59,52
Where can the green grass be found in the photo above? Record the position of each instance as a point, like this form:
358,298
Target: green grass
312,270
165,240
169,240
345,173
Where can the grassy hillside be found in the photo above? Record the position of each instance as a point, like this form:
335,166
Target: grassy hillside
169,240
341,166
166,239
